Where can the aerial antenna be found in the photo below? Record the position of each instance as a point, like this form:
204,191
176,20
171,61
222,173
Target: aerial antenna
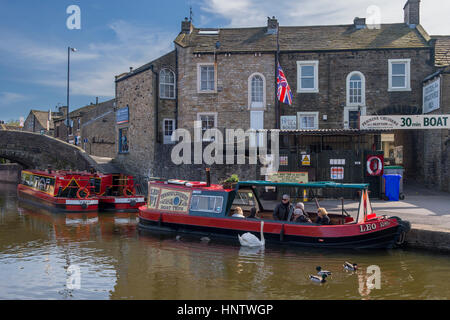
191,14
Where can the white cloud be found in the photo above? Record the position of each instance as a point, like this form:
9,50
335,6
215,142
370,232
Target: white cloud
94,65
7,98
324,12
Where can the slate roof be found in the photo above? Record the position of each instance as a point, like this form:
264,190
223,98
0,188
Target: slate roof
306,38
42,116
442,51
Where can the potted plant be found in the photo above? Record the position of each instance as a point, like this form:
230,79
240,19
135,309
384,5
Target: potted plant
231,182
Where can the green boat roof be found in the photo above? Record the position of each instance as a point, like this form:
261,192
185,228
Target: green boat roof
315,184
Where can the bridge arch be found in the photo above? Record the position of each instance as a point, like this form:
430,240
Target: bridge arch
32,151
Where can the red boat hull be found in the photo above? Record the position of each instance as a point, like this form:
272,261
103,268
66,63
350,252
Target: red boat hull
121,204
376,233
66,205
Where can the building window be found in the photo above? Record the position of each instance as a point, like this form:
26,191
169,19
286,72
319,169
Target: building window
356,89
257,91
166,84
123,140
168,129
399,75
206,77
307,76
207,121
308,120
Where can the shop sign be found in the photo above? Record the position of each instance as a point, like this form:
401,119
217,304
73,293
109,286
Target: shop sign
432,96
294,177
122,115
393,122
174,200
288,122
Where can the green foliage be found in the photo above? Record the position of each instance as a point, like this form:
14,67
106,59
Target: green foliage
234,178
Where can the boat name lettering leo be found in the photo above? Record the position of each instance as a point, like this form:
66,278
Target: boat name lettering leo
367,227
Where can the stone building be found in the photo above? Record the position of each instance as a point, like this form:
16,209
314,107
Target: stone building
226,78
42,121
92,128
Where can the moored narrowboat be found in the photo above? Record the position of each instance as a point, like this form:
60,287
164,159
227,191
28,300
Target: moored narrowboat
60,191
116,192
203,208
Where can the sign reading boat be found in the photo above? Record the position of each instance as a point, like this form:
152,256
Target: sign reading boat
405,122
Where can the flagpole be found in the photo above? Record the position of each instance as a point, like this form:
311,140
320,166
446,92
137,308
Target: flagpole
277,104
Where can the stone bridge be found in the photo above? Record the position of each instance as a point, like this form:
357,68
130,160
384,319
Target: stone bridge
33,151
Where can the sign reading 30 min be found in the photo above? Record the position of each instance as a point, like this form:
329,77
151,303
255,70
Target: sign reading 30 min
405,122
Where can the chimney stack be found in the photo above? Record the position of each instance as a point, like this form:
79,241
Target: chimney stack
412,13
272,25
186,26
360,23
96,100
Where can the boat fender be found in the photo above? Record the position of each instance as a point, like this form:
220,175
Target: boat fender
132,203
84,205
85,190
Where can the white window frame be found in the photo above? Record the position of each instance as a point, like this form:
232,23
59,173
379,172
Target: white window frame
166,138
407,63
303,114
315,64
250,89
347,114
199,77
205,210
207,114
363,89
167,84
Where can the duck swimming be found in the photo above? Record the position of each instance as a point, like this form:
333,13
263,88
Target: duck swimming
317,278
321,272
350,266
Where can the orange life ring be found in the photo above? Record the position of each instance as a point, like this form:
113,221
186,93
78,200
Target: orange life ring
132,191
86,190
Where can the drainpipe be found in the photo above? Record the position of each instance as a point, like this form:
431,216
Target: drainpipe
156,104
176,88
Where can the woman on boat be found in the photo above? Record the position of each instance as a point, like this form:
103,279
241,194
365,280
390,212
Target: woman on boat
322,216
299,214
238,213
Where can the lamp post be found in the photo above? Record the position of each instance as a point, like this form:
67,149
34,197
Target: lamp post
68,80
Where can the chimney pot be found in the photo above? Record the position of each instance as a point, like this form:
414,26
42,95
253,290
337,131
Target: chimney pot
360,23
186,26
272,25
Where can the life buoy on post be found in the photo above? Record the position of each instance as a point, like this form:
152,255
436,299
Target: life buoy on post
85,190
374,165
131,190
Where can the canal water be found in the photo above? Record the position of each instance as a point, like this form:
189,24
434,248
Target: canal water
104,256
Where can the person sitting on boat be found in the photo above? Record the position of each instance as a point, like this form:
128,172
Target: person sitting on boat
253,213
238,213
322,216
304,216
300,217
284,209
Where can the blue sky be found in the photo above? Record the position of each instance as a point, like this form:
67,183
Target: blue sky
118,34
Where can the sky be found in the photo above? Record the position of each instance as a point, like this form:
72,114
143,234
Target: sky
115,35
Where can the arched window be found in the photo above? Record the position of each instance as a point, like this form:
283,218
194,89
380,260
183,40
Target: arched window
166,84
356,89
257,92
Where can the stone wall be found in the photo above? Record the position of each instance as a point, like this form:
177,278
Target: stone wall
230,102
10,172
98,127
334,67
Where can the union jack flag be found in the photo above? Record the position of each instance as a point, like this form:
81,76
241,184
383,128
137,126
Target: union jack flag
284,93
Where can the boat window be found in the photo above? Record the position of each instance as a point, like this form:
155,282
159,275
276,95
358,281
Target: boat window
245,197
207,203
95,182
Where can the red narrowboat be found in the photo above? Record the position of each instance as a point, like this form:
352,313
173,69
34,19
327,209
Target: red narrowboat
116,192
61,191
205,209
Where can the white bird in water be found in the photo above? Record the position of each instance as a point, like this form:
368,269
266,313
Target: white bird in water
350,266
178,238
205,239
250,240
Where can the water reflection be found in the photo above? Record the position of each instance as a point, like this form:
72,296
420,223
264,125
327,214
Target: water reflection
117,261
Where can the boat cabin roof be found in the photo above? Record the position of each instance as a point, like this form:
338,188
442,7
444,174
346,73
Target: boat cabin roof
59,173
315,184
197,185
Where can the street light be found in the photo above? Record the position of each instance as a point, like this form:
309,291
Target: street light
68,80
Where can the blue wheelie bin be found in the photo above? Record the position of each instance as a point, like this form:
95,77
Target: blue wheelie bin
392,187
